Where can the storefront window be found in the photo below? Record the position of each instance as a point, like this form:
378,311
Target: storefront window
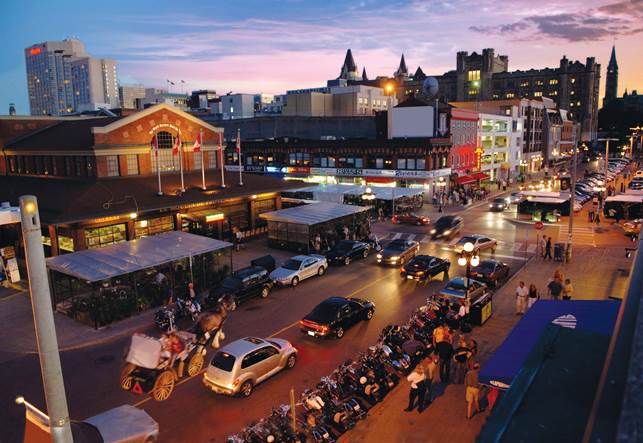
261,207
166,161
65,243
132,164
154,226
237,216
107,235
420,163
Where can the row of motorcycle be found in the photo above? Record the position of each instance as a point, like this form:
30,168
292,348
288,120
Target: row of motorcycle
344,397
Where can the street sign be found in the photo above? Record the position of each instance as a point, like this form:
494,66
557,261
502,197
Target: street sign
539,225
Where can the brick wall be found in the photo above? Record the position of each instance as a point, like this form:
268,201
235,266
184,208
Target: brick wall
122,164
144,164
101,166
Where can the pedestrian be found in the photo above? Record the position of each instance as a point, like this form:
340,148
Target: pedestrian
522,293
473,345
346,232
461,357
317,243
445,351
618,217
191,293
432,376
472,390
597,219
463,316
238,236
591,215
533,296
554,289
504,185
547,249
568,290
418,388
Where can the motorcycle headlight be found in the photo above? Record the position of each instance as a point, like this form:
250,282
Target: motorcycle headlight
433,231
379,256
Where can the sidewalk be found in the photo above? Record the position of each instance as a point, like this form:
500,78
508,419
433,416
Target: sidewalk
17,335
445,420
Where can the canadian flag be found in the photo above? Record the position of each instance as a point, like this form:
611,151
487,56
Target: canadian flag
197,144
238,146
177,145
155,145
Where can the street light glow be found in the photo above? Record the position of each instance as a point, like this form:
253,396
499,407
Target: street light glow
20,400
462,261
468,246
30,207
133,215
475,261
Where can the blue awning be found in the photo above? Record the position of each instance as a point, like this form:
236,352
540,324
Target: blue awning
586,315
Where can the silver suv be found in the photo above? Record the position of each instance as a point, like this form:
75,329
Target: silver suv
239,366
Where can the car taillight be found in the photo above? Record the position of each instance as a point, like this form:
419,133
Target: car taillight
324,328
301,322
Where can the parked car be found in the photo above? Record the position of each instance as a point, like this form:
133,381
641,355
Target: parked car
425,267
346,251
633,227
411,219
246,283
490,272
480,243
335,315
241,365
447,226
299,268
458,288
398,252
498,204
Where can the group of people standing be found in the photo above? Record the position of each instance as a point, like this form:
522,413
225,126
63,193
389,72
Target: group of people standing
557,288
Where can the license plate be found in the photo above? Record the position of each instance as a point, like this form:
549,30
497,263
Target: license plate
311,333
410,277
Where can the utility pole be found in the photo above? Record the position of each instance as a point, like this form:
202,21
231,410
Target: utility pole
52,377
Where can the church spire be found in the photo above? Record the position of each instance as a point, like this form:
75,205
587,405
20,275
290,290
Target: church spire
402,70
364,76
349,68
612,64
611,79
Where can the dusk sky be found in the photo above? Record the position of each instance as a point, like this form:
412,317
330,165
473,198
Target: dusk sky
270,46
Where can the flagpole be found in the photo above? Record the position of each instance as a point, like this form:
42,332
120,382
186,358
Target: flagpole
221,159
202,160
181,162
239,154
158,164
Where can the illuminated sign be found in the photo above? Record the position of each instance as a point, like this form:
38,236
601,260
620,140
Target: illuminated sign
163,125
478,153
35,51
214,217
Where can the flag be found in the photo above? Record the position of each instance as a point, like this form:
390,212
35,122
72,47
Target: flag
177,145
155,145
238,147
170,82
197,144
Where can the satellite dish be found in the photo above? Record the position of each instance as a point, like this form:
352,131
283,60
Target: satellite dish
430,87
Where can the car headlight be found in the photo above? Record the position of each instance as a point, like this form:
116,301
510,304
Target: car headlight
491,206
395,258
433,231
379,256
447,232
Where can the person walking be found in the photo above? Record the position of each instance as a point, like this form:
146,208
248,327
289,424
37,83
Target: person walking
547,249
533,296
461,357
522,293
554,289
432,376
445,351
238,236
472,388
418,388
568,289
597,219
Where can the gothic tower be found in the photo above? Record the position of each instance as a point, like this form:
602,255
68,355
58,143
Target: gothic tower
611,81
349,68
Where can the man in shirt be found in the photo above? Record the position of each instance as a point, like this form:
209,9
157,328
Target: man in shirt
418,388
472,390
522,292
554,288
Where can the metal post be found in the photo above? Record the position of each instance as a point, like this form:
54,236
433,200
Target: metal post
292,409
221,165
202,149
50,367
239,155
181,164
158,171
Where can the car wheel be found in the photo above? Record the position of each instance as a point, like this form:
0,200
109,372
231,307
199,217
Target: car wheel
292,361
295,281
369,314
246,389
365,253
339,333
321,271
347,261
265,291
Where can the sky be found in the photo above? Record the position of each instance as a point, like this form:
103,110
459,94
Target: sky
270,46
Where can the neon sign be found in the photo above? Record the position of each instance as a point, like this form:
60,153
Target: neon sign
478,153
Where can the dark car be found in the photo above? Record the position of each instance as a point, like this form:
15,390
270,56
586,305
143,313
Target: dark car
398,252
335,315
346,251
411,219
243,284
498,204
456,290
447,226
490,272
424,267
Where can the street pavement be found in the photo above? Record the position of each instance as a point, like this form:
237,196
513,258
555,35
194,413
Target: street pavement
193,413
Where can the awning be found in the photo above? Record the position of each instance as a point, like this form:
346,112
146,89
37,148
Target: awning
205,215
585,315
335,192
480,176
313,214
465,180
95,265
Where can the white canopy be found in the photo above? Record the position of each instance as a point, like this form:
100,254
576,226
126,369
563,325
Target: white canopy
94,265
312,214
9,215
335,193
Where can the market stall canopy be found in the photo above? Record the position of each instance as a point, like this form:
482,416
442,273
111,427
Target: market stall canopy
9,215
312,214
95,265
335,193
585,315
472,178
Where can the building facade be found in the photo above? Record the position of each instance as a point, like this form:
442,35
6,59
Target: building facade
237,106
497,139
611,79
131,96
463,126
338,101
95,84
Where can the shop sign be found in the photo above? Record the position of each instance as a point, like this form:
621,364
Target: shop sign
163,125
254,168
232,168
217,216
379,172
350,172
296,170
478,153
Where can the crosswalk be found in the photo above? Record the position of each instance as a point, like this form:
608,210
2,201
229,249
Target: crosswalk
582,235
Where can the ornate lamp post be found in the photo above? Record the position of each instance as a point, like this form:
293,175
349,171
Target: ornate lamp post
468,257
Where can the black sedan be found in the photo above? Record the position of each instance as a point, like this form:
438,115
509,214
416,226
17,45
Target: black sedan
447,226
424,267
398,252
498,204
490,272
333,316
346,251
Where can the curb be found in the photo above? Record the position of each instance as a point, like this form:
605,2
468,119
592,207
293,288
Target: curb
525,222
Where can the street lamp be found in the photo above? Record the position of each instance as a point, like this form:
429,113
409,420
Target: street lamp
368,196
468,257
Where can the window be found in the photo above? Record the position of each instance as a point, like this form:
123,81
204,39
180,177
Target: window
154,226
420,163
79,163
112,166
473,75
538,94
132,164
401,163
553,81
510,95
166,161
107,235
212,159
524,84
539,82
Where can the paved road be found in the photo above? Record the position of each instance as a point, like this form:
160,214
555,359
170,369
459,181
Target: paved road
194,413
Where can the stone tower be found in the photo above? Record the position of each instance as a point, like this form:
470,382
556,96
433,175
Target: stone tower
611,79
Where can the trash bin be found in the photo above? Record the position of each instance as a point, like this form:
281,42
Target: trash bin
481,309
559,251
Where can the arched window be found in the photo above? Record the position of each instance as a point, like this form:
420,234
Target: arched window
167,161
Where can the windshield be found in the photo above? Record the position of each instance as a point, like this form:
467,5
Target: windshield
344,246
397,245
444,221
418,262
323,313
463,240
499,200
231,283
484,266
291,264
223,361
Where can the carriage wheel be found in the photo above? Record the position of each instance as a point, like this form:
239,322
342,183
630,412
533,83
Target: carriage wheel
163,386
126,378
195,364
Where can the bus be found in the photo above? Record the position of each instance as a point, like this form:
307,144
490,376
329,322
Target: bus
625,206
546,209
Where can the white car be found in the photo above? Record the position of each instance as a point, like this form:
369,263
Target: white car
299,268
480,242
